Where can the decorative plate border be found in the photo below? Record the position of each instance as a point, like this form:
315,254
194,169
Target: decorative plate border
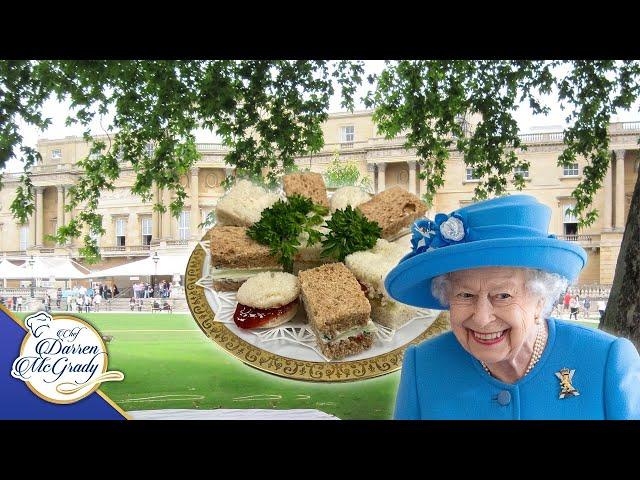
284,366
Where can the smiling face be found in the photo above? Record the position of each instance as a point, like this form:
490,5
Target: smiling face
492,314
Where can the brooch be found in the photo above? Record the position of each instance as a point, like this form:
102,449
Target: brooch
445,230
566,389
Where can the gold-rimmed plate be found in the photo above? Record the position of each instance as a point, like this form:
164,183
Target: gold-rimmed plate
266,357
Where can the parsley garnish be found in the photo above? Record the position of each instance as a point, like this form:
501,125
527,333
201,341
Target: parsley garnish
282,223
349,231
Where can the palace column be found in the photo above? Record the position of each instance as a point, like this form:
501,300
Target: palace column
32,230
60,215
39,216
195,204
166,216
412,176
608,198
619,220
382,181
155,218
371,172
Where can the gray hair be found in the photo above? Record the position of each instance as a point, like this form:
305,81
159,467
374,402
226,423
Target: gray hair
547,285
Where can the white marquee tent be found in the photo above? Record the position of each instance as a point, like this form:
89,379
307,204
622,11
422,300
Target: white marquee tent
167,265
11,271
44,268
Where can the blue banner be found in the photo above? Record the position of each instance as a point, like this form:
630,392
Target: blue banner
18,402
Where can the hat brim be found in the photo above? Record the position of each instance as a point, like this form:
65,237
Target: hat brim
410,281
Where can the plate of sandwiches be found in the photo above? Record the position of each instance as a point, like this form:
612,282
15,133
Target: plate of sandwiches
324,319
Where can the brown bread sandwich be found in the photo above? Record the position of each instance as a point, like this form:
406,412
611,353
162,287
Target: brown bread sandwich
235,257
337,310
307,184
394,209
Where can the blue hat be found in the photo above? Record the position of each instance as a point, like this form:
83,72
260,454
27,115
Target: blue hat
510,231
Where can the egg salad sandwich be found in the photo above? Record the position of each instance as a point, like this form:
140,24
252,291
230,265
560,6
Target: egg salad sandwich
370,267
235,258
337,310
310,256
243,204
394,209
344,196
267,300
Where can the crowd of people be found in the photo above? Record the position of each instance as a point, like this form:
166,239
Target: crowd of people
575,305
80,298
13,303
156,305
90,299
146,290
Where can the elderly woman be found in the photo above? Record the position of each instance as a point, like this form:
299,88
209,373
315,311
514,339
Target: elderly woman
498,271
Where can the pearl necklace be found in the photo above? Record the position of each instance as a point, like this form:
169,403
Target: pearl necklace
538,348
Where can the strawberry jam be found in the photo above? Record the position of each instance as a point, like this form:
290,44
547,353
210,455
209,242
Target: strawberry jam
249,317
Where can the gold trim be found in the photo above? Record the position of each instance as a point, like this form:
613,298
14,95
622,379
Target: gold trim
285,366
97,390
114,405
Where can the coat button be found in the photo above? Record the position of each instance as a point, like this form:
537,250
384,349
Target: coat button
504,398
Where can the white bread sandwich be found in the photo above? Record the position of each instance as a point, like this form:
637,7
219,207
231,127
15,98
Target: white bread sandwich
337,310
267,300
394,209
370,267
307,184
344,196
235,257
310,256
243,204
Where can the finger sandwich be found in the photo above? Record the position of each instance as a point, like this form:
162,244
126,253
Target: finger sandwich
337,310
267,300
394,209
344,196
235,257
243,204
370,267
307,184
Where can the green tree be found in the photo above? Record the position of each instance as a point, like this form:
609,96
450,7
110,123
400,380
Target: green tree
268,112
344,174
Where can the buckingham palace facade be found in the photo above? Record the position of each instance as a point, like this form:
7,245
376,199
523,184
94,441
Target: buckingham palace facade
134,230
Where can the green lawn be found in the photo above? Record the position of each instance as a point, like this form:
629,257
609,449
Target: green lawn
185,369
169,363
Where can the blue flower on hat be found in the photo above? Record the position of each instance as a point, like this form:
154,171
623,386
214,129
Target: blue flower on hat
445,230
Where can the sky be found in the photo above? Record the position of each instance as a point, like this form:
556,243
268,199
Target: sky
58,112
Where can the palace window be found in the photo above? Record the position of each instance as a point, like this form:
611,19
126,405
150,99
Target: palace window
471,175
569,220
121,232
347,134
571,171
146,230
183,225
24,238
56,153
522,171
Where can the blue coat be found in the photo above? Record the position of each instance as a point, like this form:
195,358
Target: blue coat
441,380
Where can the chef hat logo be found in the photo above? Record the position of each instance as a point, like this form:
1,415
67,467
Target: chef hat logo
38,322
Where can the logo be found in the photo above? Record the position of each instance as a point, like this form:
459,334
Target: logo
62,359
